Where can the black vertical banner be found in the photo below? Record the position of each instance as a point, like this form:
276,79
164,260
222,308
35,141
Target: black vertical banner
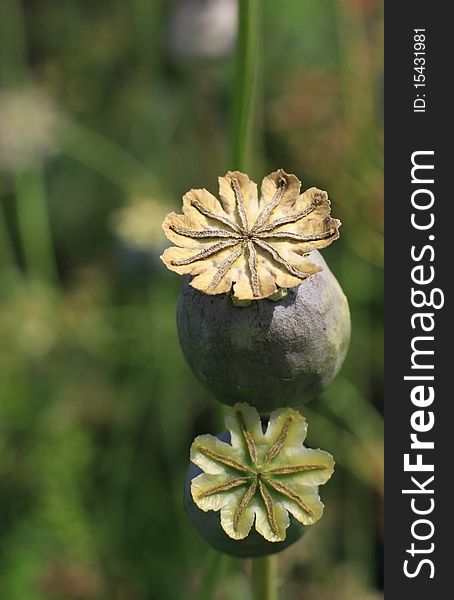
419,358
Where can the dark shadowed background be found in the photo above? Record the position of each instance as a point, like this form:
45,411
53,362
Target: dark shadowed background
109,112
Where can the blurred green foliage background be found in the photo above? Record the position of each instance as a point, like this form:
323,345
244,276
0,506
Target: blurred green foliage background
109,112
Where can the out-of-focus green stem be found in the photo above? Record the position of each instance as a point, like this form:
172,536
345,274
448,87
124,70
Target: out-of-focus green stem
264,578
214,570
105,157
244,85
13,67
34,224
31,201
6,250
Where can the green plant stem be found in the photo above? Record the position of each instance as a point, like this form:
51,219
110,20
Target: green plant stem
7,258
214,569
244,85
106,158
13,67
31,200
34,224
264,578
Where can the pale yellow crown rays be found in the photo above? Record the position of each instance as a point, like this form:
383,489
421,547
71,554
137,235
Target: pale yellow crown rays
260,478
247,245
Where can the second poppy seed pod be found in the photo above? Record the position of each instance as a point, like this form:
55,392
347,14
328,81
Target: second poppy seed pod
208,525
253,490
268,354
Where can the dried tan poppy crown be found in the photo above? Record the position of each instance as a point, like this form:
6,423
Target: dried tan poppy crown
247,245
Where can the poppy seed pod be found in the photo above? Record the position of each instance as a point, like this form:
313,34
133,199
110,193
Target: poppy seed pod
209,527
245,245
269,353
253,490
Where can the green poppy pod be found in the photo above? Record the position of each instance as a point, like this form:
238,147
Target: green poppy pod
269,353
208,525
